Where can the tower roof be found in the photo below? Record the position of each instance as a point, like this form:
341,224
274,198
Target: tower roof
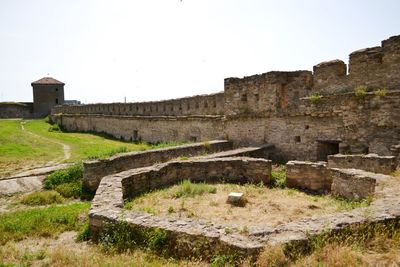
47,80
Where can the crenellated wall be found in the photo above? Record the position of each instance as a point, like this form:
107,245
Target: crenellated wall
197,105
280,108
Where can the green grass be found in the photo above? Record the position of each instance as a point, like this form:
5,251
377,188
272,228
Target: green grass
20,149
72,174
41,222
189,189
278,177
84,145
42,198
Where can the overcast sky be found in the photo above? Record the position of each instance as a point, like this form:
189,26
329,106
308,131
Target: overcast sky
158,49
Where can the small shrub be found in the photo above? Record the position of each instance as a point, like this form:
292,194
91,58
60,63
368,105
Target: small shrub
157,239
42,198
184,158
315,98
54,128
84,234
381,92
360,91
171,210
71,174
189,189
121,237
48,120
278,179
69,190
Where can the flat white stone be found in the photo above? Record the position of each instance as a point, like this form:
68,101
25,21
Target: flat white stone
235,197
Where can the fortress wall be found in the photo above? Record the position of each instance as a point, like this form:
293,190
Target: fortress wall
376,68
266,93
356,124
150,129
16,110
273,108
197,105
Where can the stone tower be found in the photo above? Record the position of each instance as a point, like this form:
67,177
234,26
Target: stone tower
47,93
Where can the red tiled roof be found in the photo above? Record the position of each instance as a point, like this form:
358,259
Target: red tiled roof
47,80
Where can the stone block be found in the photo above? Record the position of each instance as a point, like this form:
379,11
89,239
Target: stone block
370,162
353,183
312,176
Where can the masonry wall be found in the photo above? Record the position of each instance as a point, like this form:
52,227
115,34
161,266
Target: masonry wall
16,110
273,108
96,169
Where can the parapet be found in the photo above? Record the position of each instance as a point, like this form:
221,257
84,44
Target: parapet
273,92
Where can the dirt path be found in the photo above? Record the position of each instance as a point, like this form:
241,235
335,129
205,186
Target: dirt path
66,148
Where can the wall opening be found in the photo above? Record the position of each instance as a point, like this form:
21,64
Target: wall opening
326,148
56,100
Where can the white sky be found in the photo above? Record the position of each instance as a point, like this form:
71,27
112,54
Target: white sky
159,49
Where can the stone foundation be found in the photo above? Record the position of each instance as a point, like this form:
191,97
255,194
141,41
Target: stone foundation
312,176
184,235
94,170
193,237
231,170
354,184
370,162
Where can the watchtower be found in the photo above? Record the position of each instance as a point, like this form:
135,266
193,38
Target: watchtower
47,93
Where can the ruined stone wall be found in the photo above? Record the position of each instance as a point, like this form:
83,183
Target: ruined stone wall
16,110
370,162
274,108
312,176
94,170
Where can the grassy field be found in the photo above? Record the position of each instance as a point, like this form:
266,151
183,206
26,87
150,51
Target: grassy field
36,145
19,148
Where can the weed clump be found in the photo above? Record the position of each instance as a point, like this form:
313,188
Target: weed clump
121,237
42,198
278,178
381,92
70,190
360,91
72,174
315,98
189,189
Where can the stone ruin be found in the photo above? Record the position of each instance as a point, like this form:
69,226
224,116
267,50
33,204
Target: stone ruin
326,123
190,237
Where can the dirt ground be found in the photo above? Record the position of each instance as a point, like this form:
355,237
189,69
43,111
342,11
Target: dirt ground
265,206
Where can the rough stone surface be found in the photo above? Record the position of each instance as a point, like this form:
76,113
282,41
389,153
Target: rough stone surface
94,170
370,162
235,170
273,108
312,176
184,234
355,184
16,110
